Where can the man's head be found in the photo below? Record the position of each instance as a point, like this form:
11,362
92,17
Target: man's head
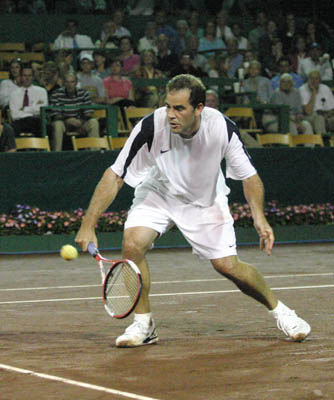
254,68
118,17
37,69
261,19
26,76
212,99
185,99
86,63
160,17
15,67
50,71
162,43
314,51
232,46
314,79
71,27
286,83
70,82
284,64
193,43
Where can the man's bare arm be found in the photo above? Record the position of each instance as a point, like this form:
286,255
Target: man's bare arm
104,194
254,193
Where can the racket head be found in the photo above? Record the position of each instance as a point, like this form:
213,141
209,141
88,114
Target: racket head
122,288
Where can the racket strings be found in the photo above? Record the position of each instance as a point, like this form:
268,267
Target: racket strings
121,289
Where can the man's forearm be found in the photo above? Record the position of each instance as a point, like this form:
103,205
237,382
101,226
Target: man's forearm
104,194
254,194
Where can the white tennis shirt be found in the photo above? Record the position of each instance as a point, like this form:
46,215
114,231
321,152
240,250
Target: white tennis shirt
154,158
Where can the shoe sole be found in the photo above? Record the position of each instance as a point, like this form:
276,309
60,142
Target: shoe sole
300,337
128,343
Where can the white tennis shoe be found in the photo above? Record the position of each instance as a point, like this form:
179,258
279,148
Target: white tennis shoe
138,333
293,326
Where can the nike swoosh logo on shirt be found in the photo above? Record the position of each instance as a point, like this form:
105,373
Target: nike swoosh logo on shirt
164,151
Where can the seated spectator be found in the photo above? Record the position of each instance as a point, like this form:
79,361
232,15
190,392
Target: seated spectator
288,33
89,81
241,40
70,39
257,83
318,103
130,60
198,60
109,39
7,86
148,96
149,41
7,137
223,31
298,52
236,58
287,95
37,68
285,67
316,62
119,89
194,27
64,61
312,35
78,121
25,103
166,60
221,68
268,39
212,99
271,59
117,18
50,79
142,7
256,33
186,66
182,35
102,69
163,28
249,56
210,43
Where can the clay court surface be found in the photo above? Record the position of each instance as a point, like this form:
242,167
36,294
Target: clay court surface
57,342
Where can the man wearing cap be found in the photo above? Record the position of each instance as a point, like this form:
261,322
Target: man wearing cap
318,103
89,81
316,62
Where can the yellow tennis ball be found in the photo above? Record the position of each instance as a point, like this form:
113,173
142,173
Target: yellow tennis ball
68,252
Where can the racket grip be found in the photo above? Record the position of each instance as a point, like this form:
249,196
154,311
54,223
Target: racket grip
92,249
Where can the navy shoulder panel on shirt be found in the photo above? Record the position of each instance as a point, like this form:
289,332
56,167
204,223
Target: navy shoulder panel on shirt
231,128
145,135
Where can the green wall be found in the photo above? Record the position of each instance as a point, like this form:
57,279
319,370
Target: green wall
66,180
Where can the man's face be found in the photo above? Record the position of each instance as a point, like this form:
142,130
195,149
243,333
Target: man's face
86,66
254,70
182,117
15,69
314,80
70,84
162,42
314,54
72,28
211,101
285,85
284,67
26,77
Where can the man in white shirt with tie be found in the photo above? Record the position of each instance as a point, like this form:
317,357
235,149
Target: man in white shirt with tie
25,103
70,39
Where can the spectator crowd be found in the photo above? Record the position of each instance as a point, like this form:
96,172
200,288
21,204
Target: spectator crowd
274,62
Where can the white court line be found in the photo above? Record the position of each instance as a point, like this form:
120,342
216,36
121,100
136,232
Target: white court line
163,294
165,282
75,383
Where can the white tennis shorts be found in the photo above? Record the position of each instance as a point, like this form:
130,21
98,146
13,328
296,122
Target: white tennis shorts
209,230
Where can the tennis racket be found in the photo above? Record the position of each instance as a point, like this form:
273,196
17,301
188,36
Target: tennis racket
121,284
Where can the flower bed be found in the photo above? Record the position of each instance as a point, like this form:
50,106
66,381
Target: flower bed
26,220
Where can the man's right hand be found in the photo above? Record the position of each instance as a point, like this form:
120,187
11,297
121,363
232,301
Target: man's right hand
84,236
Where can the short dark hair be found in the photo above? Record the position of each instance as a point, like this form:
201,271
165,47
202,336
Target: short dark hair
187,81
71,20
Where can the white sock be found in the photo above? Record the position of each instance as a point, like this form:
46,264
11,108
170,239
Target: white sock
144,317
280,308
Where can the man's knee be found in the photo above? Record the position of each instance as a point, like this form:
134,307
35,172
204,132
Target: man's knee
136,241
92,127
226,266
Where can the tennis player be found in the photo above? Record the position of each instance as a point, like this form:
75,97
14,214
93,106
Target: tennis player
173,159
